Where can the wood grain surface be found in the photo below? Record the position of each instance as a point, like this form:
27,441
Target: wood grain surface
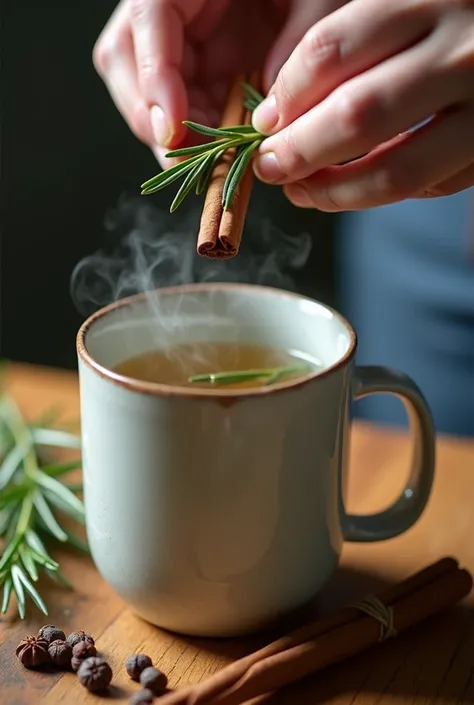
432,663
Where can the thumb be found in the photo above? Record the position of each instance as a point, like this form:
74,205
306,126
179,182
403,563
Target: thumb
301,17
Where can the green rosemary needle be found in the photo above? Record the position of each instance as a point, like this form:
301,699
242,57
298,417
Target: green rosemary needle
32,498
272,375
202,158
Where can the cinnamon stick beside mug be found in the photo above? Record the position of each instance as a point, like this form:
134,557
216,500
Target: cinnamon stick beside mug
330,640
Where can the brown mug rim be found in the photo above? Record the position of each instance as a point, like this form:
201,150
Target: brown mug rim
157,389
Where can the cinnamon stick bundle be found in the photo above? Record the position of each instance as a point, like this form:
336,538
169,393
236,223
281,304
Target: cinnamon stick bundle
220,231
320,644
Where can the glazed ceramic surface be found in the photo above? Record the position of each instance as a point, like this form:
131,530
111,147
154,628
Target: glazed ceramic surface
214,512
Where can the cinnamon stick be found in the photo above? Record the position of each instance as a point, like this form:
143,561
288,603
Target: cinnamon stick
289,666
220,231
327,641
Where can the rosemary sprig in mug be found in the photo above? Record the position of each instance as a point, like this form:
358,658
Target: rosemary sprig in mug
30,495
202,158
269,375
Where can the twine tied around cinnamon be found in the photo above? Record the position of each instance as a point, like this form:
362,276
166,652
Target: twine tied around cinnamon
383,614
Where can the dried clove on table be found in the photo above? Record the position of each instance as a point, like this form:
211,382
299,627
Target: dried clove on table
60,653
136,663
51,633
33,652
95,674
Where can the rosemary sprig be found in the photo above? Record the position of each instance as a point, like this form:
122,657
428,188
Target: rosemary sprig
270,374
31,495
202,158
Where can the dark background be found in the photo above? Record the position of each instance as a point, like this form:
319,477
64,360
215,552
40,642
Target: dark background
67,158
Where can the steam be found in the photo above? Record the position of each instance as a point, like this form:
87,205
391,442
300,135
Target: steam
148,249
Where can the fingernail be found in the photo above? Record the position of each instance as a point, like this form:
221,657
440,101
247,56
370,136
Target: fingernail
267,169
161,129
298,195
265,116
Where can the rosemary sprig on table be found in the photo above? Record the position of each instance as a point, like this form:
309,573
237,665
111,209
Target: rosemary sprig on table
271,375
31,494
203,158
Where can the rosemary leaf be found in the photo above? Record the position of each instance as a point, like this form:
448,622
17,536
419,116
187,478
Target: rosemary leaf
168,176
285,371
66,507
204,130
12,525
234,376
251,92
25,514
19,592
7,591
11,463
48,518
278,374
57,489
203,181
39,552
34,541
238,168
34,594
8,517
14,494
234,166
188,184
44,561
10,550
55,438
241,130
61,468
229,377
250,104
28,562
196,149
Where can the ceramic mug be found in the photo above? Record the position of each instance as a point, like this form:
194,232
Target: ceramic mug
213,512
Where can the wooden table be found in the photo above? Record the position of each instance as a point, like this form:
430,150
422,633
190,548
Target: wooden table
431,663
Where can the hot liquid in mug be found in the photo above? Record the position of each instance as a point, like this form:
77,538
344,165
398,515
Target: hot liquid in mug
214,512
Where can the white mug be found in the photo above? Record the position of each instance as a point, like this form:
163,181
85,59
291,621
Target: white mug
214,512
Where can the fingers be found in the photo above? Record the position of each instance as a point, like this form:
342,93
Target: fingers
301,17
157,28
410,165
343,44
114,60
459,182
140,57
359,115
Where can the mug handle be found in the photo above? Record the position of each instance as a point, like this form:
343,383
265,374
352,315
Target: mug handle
409,506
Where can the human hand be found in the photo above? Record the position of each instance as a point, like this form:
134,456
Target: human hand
164,61
355,85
